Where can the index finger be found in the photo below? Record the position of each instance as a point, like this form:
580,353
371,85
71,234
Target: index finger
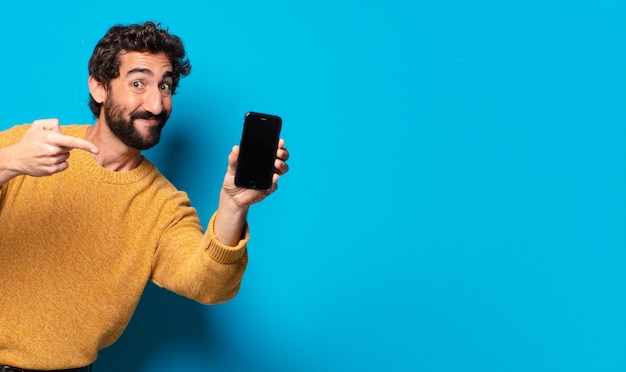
62,140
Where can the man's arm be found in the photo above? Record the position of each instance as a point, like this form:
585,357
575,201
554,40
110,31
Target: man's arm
234,202
219,267
42,151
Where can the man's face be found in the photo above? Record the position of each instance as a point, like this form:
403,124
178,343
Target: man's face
139,101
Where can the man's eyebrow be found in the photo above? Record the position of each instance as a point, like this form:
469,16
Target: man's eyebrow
140,70
147,71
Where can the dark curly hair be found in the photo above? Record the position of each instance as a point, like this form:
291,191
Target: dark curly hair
104,64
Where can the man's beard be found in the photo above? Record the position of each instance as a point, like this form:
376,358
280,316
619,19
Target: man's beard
125,130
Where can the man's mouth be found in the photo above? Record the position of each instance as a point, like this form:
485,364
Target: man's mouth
148,117
152,120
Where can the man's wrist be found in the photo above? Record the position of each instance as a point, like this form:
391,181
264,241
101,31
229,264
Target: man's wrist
7,169
230,220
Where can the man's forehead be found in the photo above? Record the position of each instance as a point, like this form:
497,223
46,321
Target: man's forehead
157,63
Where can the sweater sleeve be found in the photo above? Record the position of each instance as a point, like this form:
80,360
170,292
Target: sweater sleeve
196,265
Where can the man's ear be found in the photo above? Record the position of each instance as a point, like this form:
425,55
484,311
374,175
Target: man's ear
97,90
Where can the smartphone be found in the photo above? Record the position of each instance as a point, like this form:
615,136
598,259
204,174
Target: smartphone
259,142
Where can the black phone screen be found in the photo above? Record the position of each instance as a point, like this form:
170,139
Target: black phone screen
259,142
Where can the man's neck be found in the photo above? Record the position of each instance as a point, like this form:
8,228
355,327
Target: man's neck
114,155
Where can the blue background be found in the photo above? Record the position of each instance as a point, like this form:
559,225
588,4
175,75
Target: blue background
456,200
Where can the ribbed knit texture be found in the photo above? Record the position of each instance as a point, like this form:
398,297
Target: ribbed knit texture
77,249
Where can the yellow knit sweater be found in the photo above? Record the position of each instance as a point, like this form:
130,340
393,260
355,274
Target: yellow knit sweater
77,249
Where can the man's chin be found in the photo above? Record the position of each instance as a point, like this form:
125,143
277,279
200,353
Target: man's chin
149,142
141,142
143,146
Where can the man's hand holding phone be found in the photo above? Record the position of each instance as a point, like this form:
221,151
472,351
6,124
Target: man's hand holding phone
248,196
237,193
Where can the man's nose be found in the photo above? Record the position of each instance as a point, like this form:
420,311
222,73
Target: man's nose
153,101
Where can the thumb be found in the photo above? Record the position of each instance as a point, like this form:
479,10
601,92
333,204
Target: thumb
232,159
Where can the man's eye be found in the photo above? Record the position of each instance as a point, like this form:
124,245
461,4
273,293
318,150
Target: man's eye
137,84
166,87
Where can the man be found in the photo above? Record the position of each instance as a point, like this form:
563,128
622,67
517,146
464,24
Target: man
81,235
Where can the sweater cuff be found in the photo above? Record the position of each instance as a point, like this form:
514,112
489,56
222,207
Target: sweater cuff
221,252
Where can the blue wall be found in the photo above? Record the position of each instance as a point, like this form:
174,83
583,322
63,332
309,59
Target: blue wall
457,194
